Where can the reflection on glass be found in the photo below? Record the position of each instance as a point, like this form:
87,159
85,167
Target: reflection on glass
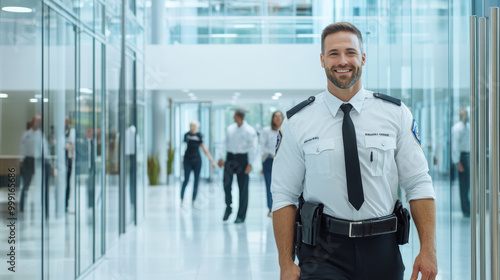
112,143
19,35
98,152
85,161
130,143
60,128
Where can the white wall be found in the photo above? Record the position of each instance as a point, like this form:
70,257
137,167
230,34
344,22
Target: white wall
232,67
294,67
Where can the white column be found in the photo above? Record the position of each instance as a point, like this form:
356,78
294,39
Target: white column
159,128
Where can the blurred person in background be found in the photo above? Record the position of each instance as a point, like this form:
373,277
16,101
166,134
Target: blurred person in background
192,158
268,147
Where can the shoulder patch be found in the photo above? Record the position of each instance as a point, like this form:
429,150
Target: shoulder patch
414,130
387,98
278,142
299,107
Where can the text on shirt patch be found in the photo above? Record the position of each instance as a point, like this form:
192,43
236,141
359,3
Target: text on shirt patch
314,138
278,142
414,130
376,134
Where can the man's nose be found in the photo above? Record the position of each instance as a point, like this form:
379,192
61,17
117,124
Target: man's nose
342,60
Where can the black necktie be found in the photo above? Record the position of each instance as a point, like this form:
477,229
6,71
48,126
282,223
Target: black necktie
353,174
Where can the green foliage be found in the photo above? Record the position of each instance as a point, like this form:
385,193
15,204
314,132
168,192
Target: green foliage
153,170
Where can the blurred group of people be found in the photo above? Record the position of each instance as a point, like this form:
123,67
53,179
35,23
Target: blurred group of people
239,152
35,154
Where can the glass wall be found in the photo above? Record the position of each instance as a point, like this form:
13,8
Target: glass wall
59,155
245,22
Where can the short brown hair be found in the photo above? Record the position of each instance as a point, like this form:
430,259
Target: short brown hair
341,26
240,113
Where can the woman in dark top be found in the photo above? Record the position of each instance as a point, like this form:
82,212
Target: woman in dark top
192,158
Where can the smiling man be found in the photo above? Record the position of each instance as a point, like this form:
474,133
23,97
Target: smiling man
347,151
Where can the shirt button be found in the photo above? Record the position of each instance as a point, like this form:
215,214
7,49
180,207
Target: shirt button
383,145
317,150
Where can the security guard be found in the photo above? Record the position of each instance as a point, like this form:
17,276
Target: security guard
348,149
240,144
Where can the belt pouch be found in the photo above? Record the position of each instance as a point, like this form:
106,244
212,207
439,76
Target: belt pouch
403,216
311,222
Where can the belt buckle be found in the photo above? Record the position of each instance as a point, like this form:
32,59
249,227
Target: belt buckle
350,229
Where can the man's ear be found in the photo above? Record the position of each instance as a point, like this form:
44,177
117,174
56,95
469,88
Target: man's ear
322,62
363,59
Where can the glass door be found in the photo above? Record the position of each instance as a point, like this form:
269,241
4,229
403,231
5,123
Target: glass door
59,126
85,157
97,151
130,142
185,113
484,154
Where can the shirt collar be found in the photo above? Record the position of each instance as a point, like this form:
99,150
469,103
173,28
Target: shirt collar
334,103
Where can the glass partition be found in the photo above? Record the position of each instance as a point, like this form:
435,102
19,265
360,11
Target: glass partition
60,108
20,101
85,157
59,131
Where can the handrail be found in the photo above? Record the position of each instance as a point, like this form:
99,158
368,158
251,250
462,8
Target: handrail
493,145
473,136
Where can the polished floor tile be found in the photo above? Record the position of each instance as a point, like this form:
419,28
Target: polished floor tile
186,242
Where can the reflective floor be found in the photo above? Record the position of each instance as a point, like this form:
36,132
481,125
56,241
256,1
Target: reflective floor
186,242
193,243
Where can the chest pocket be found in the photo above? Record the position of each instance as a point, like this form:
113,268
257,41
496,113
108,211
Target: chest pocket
381,150
318,156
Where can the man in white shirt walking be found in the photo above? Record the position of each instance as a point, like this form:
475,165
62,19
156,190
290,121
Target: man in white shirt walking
30,151
240,142
461,156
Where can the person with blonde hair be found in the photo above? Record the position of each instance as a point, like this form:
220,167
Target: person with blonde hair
192,158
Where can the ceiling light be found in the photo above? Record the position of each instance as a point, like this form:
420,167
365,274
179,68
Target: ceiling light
278,94
45,100
15,9
237,94
33,100
191,94
275,97
4,95
194,98
38,96
185,90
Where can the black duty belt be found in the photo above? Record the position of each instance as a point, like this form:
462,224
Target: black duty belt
364,228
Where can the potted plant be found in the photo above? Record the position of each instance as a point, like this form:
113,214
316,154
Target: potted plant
153,170
170,161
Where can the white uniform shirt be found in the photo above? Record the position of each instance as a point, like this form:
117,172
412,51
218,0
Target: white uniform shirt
130,140
31,144
460,135
267,142
310,157
241,140
70,141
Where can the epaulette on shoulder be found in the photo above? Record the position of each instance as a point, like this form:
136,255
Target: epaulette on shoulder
387,98
299,106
